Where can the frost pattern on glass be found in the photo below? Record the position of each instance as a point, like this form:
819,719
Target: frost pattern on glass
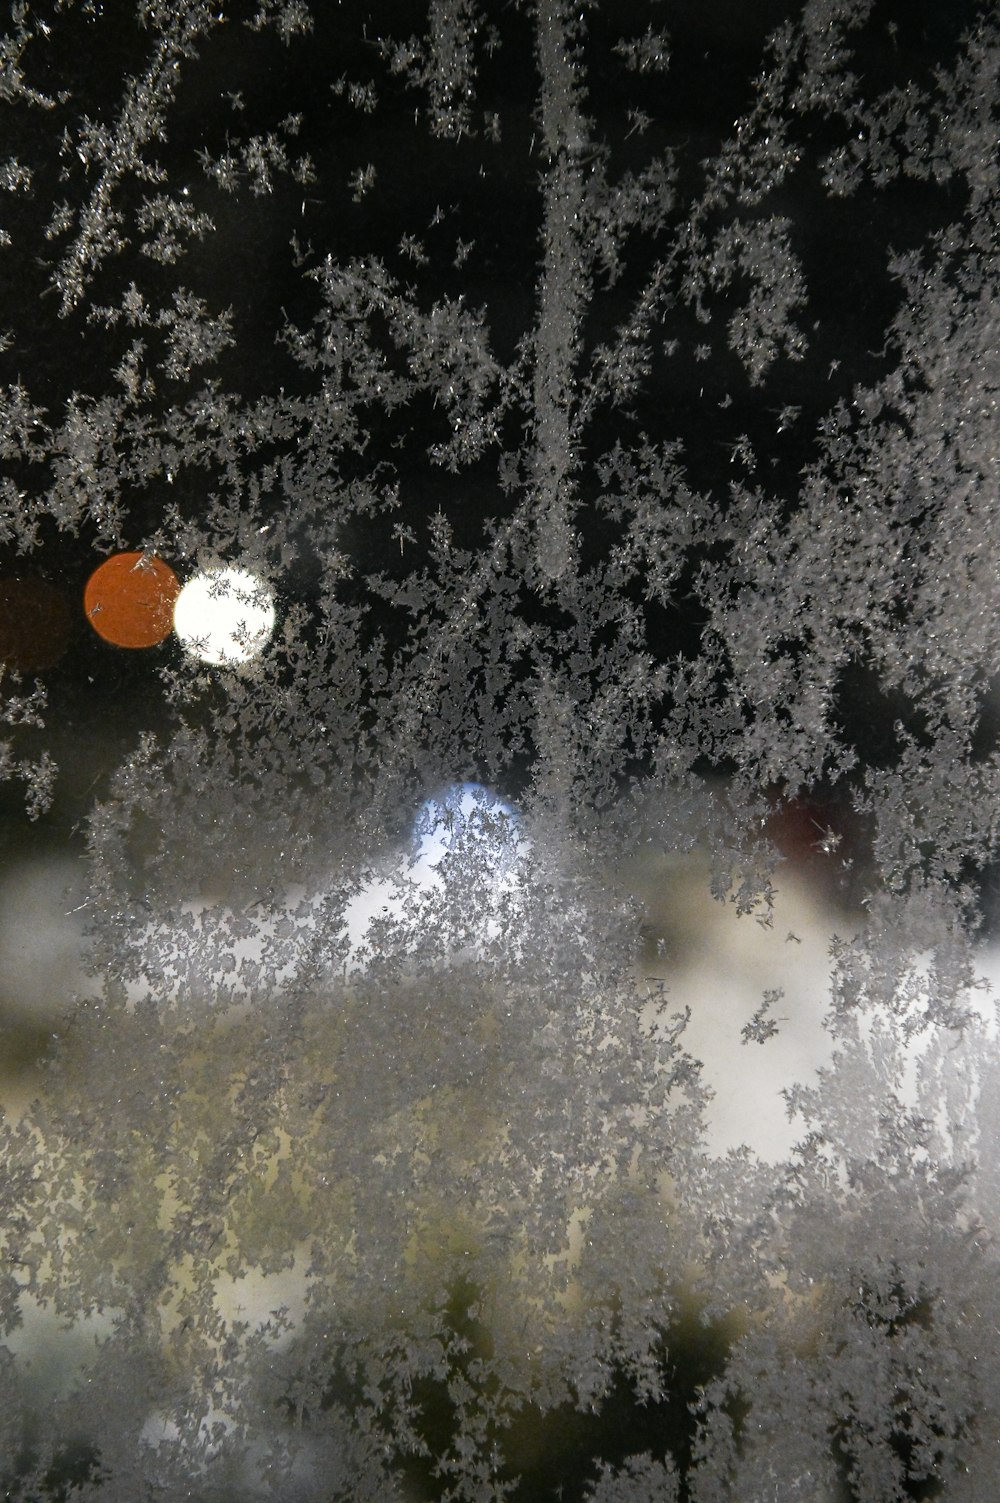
376,1157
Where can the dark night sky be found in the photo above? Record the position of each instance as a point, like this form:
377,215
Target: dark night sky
102,697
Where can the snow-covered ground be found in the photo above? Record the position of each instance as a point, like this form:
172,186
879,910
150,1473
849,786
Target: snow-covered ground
713,963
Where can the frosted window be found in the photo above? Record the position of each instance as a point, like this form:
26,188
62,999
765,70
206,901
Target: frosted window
498,650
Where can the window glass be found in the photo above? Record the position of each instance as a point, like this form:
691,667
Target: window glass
498,512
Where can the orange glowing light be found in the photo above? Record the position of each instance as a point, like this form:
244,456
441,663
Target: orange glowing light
35,624
129,599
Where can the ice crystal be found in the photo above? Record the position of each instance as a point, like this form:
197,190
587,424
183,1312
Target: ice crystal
599,418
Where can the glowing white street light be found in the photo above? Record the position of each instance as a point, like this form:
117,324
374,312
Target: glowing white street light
464,813
224,616
465,820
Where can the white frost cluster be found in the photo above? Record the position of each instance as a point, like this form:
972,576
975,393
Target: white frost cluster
522,1035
